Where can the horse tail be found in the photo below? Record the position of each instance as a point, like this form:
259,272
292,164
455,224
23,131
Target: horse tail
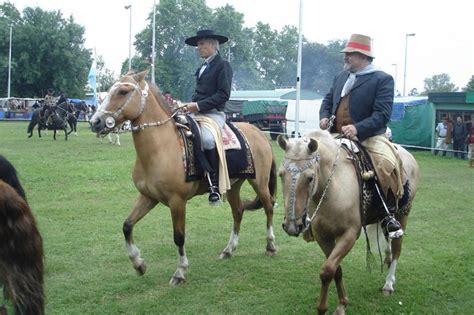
21,258
272,187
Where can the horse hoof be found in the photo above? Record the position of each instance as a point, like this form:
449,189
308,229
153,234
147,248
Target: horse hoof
141,269
175,281
225,255
387,291
340,310
270,253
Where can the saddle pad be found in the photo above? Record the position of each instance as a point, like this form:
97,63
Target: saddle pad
229,139
240,163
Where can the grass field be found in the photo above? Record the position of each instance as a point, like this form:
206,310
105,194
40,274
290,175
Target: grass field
81,191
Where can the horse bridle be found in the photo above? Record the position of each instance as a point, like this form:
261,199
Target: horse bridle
112,116
295,173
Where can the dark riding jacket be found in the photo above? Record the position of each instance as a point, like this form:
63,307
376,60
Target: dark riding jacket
213,87
370,102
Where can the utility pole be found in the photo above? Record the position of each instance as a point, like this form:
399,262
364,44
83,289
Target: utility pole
153,45
10,61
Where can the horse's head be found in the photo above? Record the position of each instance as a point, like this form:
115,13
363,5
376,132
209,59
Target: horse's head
299,173
124,101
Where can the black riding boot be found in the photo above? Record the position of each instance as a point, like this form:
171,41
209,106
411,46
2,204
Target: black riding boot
213,179
390,226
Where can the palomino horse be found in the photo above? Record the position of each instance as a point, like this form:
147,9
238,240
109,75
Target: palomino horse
321,183
21,247
159,173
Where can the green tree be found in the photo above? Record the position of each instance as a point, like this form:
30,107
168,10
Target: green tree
176,62
320,65
439,83
106,77
238,50
470,85
266,52
287,57
48,51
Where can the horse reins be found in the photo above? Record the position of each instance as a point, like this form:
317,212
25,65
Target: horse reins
310,220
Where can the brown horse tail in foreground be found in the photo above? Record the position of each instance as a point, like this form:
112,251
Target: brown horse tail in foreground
159,173
322,194
21,247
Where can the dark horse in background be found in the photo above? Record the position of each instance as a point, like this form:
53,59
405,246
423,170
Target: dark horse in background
62,117
21,247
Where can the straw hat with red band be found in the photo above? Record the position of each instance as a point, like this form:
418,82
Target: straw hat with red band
359,43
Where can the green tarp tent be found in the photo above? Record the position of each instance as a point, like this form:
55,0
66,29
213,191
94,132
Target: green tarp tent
411,121
264,107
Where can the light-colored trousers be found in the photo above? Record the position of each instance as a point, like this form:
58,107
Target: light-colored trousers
208,141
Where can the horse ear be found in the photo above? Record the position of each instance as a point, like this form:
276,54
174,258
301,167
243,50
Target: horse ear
312,145
282,141
140,76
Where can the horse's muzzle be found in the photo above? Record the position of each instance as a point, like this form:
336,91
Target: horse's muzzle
97,123
291,228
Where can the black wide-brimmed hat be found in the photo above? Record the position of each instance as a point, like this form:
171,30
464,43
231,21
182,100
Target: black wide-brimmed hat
192,41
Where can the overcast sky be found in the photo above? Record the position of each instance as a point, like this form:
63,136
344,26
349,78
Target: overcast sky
443,41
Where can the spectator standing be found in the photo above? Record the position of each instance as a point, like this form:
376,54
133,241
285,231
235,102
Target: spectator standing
459,137
470,144
442,132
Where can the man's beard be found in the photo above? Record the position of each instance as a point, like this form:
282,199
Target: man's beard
347,66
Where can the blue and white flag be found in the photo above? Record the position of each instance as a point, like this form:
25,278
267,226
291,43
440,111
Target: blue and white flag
92,79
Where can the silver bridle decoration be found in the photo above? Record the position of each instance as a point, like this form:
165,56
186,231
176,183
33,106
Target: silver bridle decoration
112,116
110,120
295,174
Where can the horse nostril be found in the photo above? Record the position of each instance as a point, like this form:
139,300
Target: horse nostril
283,225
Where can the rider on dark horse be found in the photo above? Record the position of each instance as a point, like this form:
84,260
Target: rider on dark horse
49,107
213,85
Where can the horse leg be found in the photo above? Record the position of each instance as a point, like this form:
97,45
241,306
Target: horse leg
233,196
178,216
142,206
118,139
391,261
263,192
335,252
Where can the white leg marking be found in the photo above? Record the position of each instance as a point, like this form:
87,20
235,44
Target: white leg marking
134,254
179,274
270,235
390,279
231,245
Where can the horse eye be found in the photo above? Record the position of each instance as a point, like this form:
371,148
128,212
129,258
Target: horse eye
310,179
123,92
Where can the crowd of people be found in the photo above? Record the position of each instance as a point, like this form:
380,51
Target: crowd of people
457,134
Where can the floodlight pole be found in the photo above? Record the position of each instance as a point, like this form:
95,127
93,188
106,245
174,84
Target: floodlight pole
298,73
129,7
153,42
405,72
10,62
